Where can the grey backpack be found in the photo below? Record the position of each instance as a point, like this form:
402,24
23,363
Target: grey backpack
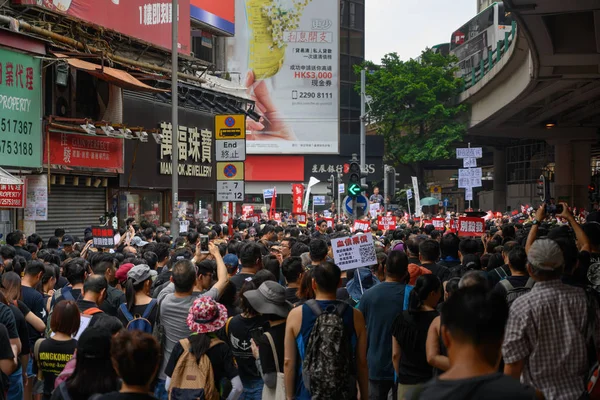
513,293
328,369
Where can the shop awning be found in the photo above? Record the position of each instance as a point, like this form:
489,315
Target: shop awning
7,179
115,76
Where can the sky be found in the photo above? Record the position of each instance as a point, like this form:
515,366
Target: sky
407,26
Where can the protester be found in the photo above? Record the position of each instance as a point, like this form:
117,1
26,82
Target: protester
139,303
251,258
292,271
429,253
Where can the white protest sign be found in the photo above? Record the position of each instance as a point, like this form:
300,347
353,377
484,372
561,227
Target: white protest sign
469,162
468,194
470,173
184,225
409,194
470,152
354,252
415,183
374,209
464,183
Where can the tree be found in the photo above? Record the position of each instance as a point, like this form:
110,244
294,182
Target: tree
414,107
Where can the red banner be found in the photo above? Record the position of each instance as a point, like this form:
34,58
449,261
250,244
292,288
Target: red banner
298,192
364,226
439,224
386,223
330,222
147,20
469,226
13,196
95,152
103,237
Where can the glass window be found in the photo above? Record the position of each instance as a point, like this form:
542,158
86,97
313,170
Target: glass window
357,43
352,13
141,205
345,93
344,46
346,73
344,13
359,17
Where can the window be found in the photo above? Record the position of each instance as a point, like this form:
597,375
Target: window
344,42
357,44
203,47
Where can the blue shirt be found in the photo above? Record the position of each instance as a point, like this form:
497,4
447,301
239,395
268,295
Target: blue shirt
380,305
308,321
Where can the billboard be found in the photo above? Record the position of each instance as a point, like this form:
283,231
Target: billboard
219,14
287,56
146,20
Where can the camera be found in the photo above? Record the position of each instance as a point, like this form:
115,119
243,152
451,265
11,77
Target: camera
553,209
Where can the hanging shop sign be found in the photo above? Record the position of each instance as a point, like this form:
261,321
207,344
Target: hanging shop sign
147,20
90,152
13,196
20,110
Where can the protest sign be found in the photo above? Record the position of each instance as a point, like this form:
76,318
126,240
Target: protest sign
354,252
386,223
103,237
438,223
469,226
361,225
330,222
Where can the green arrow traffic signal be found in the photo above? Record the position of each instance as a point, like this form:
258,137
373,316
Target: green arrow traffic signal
354,189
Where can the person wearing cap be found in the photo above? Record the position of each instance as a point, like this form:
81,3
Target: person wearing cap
269,301
545,344
204,319
137,292
67,246
138,242
121,274
232,263
94,372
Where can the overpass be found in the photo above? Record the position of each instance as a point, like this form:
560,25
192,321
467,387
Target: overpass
543,83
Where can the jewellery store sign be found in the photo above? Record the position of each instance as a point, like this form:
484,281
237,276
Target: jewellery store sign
195,149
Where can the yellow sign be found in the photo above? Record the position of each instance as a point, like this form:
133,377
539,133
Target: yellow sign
230,171
436,189
230,126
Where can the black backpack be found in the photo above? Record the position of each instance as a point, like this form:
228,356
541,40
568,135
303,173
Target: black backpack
513,293
328,369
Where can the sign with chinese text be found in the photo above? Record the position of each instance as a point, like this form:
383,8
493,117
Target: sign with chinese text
438,223
469,162
230,150
469,226
361,225
415,182
386,223
321,166
469,177
20,110
319,200
301,218
230,190
436,192
13,196
103,237
470,152
374,209
195,150
295,60
147,20
354,251
469,194
92,152
37,198
297,194
330,222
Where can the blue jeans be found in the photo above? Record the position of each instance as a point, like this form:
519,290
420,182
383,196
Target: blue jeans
252,390
15,385
30,373
160,392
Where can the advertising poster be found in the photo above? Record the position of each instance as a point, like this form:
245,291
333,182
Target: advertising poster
36,208
286,53
147,20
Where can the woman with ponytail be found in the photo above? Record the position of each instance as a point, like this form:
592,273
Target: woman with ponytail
139,304
409,334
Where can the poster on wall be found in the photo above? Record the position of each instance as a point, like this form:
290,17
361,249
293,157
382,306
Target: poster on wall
291,68
37,198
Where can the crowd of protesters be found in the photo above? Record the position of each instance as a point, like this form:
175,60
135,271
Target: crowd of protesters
263,312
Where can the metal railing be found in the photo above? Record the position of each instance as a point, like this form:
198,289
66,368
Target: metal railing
493,57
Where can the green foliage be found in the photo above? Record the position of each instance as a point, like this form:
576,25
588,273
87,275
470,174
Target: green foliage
413,106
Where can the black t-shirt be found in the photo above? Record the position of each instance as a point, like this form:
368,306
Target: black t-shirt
35,301
588,270
497,274
487,387
238,335
291,295
410,330
138,310
239,279
438,270
53,356
220,357
7,318
267,361
114,298
516,281
74,295
126,396
5,354
22,330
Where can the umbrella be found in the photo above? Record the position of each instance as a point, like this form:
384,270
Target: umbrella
429,201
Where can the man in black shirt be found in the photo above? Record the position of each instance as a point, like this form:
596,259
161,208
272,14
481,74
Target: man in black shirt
17,240
8,358
292,271
104,265
251,258
429,252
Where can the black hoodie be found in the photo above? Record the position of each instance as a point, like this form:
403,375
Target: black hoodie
487,387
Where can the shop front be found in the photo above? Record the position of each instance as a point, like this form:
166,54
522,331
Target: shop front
144,191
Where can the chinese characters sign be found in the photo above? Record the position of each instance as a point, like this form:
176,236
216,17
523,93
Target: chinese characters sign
301,218
438,223
94,152
37,198
354,252
103,237
468,226
297,193
20,110
147,20
361,225
295,62
469,177
12,196
230,141
195,151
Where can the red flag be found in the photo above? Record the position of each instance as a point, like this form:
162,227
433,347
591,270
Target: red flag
273,203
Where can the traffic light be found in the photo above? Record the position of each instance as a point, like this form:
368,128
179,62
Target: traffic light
331,189
354,176
541,188
391,181
592,192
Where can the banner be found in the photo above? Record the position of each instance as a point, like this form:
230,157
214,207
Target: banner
298,191
374,209
469,226
146,20
92,152
354,252
386,223
438,223
361,225
13,196
301,218
415,183
20,110
103,237
330,222
291,67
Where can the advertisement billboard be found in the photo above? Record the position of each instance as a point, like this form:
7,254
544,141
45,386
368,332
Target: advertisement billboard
219,14
147,20
286,53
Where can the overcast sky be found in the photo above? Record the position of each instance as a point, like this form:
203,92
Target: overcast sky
409,26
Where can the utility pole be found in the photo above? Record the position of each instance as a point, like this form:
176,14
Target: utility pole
339,196
174,122
385,186
363,122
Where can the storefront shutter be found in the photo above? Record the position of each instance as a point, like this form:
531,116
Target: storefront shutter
72,208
